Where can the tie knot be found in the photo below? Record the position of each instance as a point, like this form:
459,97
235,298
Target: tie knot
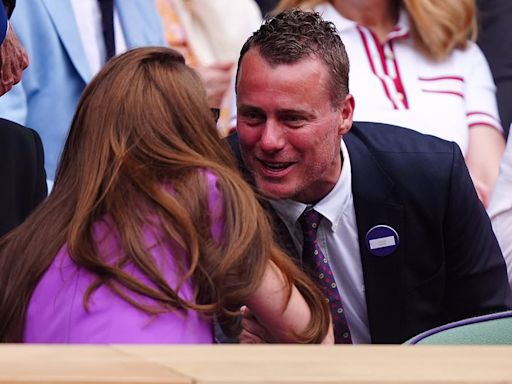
309,220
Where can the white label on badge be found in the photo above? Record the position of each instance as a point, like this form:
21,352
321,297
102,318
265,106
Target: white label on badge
382,242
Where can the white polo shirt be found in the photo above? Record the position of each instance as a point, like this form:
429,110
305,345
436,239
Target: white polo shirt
395,83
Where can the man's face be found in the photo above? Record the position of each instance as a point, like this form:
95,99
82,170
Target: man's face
290,132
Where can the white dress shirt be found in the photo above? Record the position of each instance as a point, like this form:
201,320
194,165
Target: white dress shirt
88,18
338,239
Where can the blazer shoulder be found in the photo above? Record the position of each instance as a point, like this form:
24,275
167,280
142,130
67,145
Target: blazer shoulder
380,137
20,144
11,131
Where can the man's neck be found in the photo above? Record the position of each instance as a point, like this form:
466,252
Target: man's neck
315,197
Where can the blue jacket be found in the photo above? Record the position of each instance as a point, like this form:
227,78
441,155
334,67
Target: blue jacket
47,96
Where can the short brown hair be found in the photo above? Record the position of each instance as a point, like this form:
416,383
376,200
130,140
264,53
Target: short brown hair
293,35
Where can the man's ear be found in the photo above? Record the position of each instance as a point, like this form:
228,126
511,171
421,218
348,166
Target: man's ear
346,110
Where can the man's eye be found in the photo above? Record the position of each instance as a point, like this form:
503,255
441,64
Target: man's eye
293,120
252,117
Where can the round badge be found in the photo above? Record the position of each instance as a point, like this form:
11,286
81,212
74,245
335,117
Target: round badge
382,240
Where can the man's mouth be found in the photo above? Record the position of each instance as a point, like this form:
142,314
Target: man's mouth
274,166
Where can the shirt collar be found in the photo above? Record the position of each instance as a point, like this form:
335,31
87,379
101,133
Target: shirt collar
402,28
332,206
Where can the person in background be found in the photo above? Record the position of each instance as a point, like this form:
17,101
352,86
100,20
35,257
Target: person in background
266,5
385,219
80,35
415,67
495,40
500,208
210,34
145,235
21,152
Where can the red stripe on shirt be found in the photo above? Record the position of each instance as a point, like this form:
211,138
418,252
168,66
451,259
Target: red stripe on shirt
367,50
485,114
458,78
444,92
381,52
398,80
485,123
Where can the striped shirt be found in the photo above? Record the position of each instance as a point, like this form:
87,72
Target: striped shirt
395,83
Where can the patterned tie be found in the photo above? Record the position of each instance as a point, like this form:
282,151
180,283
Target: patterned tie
313,257
107,27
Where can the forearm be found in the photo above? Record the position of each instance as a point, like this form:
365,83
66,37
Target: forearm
269,303
485,150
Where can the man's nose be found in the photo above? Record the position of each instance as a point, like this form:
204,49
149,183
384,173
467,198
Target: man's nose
272,138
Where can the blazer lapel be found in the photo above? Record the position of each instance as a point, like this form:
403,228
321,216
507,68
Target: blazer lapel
61,13
376,204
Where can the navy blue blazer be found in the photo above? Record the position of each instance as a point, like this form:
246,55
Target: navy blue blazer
448,264
22,174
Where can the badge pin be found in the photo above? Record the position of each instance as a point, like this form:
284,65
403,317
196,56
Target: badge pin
382,240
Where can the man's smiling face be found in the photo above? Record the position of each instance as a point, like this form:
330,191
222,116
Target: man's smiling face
290,131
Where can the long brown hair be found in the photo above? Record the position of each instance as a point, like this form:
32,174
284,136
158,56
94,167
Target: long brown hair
142,125
437,26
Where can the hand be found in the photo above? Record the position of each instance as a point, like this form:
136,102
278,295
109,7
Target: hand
252,331
13,59
216,79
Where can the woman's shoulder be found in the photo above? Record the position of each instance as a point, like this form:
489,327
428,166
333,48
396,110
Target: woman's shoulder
470,54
